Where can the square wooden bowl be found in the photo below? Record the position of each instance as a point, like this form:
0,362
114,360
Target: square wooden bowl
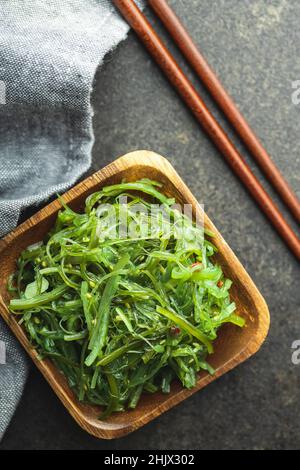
234,344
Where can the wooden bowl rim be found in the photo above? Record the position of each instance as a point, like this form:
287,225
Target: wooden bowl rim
139,158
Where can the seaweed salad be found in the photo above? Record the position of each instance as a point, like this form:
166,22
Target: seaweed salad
123,298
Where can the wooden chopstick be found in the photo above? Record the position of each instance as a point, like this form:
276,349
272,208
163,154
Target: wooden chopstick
180,82
225,103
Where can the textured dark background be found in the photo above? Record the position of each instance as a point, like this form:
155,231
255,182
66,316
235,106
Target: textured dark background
252,45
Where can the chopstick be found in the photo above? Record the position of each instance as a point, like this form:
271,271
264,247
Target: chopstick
184,87
225,103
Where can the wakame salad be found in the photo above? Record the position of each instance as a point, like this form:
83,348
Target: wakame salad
120,304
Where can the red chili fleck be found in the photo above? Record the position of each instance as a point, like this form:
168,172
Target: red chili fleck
220,283
175,330
199,265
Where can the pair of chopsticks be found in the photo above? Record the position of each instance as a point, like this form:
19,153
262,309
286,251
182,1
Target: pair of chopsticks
193,100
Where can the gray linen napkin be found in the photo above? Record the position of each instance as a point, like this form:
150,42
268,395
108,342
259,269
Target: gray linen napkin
49,52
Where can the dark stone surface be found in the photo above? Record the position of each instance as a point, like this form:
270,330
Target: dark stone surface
253,47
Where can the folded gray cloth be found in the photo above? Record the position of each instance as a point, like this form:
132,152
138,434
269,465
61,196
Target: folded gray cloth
49,53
